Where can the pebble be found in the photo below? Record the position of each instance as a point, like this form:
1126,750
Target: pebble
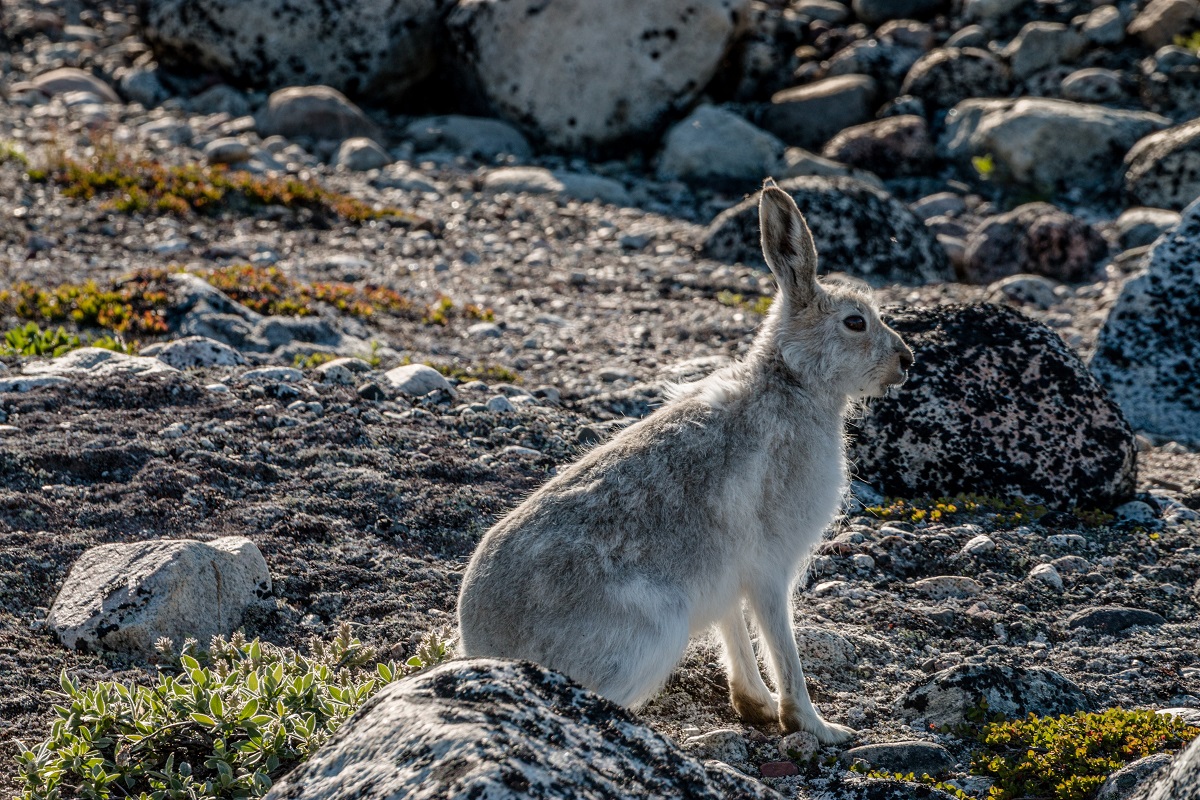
1136,511
778,769
278,374
799,746
1046,574
943,587
979,545
723,744
499,404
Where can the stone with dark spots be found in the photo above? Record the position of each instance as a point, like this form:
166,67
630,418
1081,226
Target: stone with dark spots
889,147
944,77
995,404
952,694
919,758
1122,784
502,729
1113,619
1179,781
1034,238
1163,169
859,229
375,49
1148,352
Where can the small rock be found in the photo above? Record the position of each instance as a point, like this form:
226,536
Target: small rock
950,695
809,115
522,180
479,137
30,382
723,745
697,150
274,374
175,430
1162,20
1125,782
897,145
499,404
919,758
1113,619
227,150
198,351
71,79
343,371
1093,85
1048,575
1138,227
979,545
1043,44
98,361
371,391
417,380
314,112
484,330
1024,290
799,746
124,597
521,452
942,587
359,154
778,769
825,648
1104,26
1136,511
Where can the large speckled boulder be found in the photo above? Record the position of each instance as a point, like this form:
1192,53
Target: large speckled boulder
500,730
1046,144
1148,352
996,404
952,694
944,77
1163,169
859,229
124,597
1180,781
374,49
577,74
1034,238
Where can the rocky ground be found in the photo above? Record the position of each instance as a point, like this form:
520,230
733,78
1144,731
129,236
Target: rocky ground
594,282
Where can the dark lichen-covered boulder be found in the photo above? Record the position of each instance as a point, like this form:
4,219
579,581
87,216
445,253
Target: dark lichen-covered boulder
951,696
373,49
1148,352
859,229
1180,781
996,404
502,729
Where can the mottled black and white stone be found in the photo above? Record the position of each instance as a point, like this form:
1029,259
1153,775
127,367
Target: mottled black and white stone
950,695
859,229
995,404
366,48
1180,781
502,729
1148,352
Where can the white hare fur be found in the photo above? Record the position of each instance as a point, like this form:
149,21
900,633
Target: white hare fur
716,498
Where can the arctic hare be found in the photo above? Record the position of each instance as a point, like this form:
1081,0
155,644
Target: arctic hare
716,498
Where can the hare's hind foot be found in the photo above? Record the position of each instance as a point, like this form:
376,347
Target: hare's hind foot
791,720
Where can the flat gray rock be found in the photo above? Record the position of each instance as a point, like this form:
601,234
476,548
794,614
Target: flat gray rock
995,404
197,351
1179,781
1148,352
97,361
417,380
951,694
125,597
919,758
1113,619
1122,784
500,730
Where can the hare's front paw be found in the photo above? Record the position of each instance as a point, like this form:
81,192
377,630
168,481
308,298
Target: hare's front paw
754,710
826,732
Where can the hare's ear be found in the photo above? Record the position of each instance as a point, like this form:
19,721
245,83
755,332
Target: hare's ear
787,244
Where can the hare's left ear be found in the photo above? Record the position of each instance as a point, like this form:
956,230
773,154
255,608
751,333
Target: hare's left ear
787,244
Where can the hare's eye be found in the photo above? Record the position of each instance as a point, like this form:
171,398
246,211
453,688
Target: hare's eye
855,323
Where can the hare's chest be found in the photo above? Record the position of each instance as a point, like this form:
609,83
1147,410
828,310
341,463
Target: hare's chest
807,492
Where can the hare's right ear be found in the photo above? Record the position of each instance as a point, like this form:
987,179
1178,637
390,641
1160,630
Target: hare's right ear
787,244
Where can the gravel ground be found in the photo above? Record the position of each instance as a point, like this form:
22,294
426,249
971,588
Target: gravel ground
366,510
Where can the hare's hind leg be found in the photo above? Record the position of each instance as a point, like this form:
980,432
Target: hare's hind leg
751,698
773,609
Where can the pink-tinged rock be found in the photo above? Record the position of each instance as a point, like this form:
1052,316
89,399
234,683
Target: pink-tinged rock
779,769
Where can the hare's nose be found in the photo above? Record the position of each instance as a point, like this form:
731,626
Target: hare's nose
906,358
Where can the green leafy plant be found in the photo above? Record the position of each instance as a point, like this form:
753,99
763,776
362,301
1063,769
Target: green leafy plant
31,340
221,723
1068,757
10,151
985,166
760,305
